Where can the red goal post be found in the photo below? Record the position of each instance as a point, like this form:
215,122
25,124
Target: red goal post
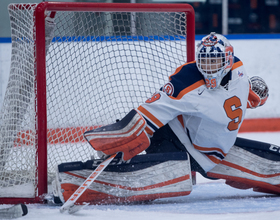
39,138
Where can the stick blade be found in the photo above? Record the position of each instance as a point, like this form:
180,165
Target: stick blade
77,208
66,206
24,209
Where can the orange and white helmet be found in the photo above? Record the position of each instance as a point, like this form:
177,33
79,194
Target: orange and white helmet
214,59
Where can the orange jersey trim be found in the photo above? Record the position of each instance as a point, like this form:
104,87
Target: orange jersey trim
205,149
189,89
180,118
150,116
213,159
236,65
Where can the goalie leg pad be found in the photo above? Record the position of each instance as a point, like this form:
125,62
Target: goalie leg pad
143,178
127,136
246,167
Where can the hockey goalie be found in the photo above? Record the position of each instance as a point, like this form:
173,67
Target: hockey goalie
190,124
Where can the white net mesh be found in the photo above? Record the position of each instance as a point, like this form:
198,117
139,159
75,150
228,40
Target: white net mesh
18,162
100,65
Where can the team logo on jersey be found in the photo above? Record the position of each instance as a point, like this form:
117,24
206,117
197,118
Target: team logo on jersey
168,88
154,98
240,74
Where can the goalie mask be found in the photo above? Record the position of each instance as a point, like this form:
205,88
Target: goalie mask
214,59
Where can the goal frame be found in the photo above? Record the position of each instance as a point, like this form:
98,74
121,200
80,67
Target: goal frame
40,69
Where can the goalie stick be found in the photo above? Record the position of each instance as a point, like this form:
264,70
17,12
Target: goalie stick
70,203
15,211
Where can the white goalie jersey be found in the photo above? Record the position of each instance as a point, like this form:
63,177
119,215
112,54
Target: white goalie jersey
205,121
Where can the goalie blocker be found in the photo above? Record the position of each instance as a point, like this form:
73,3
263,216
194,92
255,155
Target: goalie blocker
127,136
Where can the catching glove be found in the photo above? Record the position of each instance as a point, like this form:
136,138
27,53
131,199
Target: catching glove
258,93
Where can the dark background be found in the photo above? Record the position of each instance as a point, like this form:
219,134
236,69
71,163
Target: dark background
244,16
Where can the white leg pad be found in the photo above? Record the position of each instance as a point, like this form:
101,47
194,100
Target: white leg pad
243,169
166,179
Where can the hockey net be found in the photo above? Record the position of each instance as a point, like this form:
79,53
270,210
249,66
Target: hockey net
103,61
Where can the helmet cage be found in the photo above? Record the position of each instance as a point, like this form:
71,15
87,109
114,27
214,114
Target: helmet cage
214,59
